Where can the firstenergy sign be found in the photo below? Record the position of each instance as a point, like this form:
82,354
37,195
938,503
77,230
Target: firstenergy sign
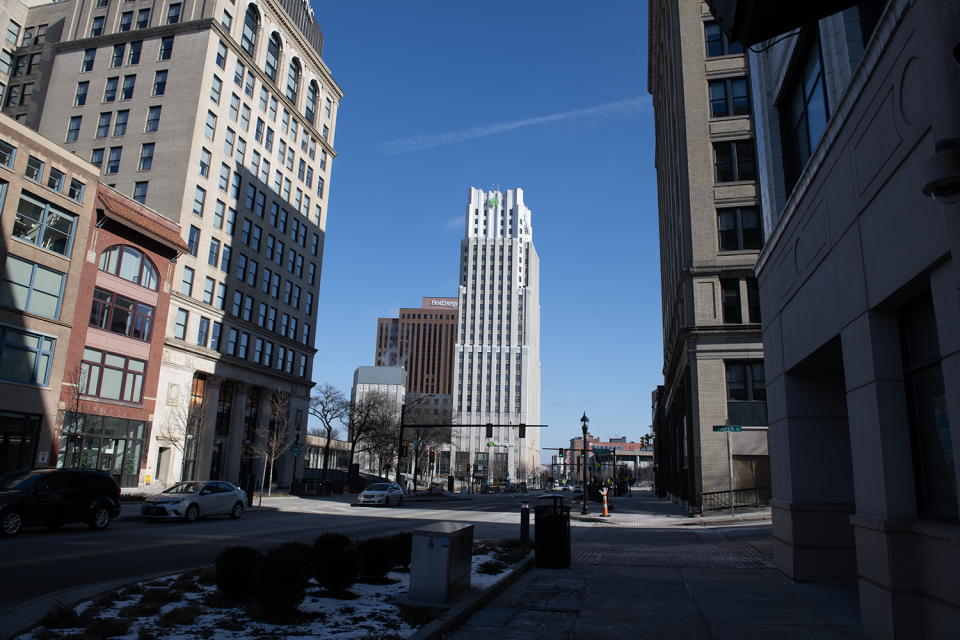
444,303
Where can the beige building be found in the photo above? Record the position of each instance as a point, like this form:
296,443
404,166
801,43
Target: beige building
221,116
710,236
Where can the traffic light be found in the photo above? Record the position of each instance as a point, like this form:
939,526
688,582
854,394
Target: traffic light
489,429
404,451
583,453
560,455
523,430
433,456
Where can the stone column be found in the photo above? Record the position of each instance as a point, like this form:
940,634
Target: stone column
205,447
234,446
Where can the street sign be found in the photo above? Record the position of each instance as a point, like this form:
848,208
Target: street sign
734,428
601,452
295,450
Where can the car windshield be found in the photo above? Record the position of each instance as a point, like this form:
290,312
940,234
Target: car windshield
185,487
19,480
379,487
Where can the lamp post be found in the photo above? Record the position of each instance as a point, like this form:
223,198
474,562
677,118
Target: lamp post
295,450
585,421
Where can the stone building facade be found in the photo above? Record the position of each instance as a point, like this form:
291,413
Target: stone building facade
710,236
220,116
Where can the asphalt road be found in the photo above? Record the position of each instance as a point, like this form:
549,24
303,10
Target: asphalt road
39,561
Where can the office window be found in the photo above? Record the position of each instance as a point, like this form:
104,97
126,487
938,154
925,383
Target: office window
273,55
140,192
73,130
232,342
166,48
753,299
326,132
180,330
19,67
146,156
267,354
746,394
293,80
211,125
173,13
241,150
126,92
319,187
235,186
729,98
110,89
734,161
247,308
285,122
258,351
296,297
315,241
311,107
268,140
739,229
266,280
117,59
120,126
248,86
717,43
262,316
34,169
272,319
215,87
312,274
313,148
31,287
143,18
55,180
225,259
199,197
209,283
121,315
730,300
126,20
96,29
306,333
241,268
110,376
226,20
252,273
193,240
231,220
96,157
251,23
244,117
80,98
238,74
804,110
13,33
215,336
6,61
203,331
135,49
25,357
224,181
186,286
131,265
205,159
159,86
75,192
221,300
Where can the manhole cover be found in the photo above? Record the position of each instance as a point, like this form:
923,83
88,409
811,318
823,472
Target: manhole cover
641,537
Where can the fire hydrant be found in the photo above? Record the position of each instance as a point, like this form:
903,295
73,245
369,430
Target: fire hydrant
603,492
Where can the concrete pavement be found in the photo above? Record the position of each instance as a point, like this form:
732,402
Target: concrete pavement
652,571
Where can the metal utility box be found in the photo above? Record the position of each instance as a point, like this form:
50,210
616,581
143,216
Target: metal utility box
440,562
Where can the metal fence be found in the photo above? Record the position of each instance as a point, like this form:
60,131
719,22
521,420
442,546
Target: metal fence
717,500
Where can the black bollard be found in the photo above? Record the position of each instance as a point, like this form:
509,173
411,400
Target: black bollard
524,522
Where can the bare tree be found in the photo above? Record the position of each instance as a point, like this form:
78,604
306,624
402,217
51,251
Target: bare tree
77,416
273,440
497,469
543,475
183,428
372,426
421,439
332,409
523,470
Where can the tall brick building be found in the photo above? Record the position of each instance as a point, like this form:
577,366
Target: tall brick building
421,341
710,236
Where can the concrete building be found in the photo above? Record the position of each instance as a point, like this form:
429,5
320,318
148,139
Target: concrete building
859,290
498,339
221,117
710,236
392,383
422,341
47,198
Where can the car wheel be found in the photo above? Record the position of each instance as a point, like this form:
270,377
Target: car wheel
54,525
11,523
386,502
99,518
193,513
237,511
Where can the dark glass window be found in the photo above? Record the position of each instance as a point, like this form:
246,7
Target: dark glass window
746,394
717,42
739,229
734,161
803,110
730,300
729,97
753,299
224,407
116,313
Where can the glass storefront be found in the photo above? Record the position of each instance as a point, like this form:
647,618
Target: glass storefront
18,438
113,445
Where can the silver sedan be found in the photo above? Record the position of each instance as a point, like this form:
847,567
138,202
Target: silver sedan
192,500
383,494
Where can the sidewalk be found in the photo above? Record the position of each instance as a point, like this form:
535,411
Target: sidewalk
652,571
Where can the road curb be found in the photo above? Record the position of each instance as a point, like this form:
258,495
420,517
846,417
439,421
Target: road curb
35,609
458,614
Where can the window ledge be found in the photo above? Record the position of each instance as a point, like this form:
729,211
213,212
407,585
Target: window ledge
738,252
39,248
119,403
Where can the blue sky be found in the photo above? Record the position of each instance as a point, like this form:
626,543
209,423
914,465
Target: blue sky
547,96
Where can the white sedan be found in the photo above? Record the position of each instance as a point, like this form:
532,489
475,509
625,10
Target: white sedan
382,493
192,500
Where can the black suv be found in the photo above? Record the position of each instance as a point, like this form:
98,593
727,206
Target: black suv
55,496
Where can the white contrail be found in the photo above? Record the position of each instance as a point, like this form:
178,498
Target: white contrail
620,107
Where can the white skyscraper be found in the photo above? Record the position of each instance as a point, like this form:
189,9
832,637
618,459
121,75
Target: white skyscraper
498,339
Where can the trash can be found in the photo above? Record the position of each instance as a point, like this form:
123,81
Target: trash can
552,533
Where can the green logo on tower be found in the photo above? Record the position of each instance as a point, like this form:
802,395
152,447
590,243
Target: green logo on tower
493,202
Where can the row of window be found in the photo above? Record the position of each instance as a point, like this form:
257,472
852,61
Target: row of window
56,179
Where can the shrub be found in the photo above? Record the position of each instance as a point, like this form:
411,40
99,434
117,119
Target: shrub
337,569
61,616
403,541
207,577
280,583
140,610
510,556
378,557
42,633
491,567
108,627
417,616
180,615
235,570
331,539
161,595
304,555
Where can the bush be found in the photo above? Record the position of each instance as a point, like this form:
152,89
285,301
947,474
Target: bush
491,567
331,540
403,542
235,570
140,610
280,583
337,569
417,616
61,616
180,615
108,627
304,555
378,557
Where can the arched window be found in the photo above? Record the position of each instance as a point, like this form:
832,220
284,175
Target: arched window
250,25
130,264
293,80
273,56
313,93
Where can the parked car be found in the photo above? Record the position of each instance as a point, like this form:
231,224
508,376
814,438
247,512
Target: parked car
53,497
382,493
193,500
564,488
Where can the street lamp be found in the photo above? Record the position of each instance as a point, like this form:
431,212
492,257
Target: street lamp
295,450
585,421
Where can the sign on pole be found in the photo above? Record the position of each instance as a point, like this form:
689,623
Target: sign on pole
730,428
